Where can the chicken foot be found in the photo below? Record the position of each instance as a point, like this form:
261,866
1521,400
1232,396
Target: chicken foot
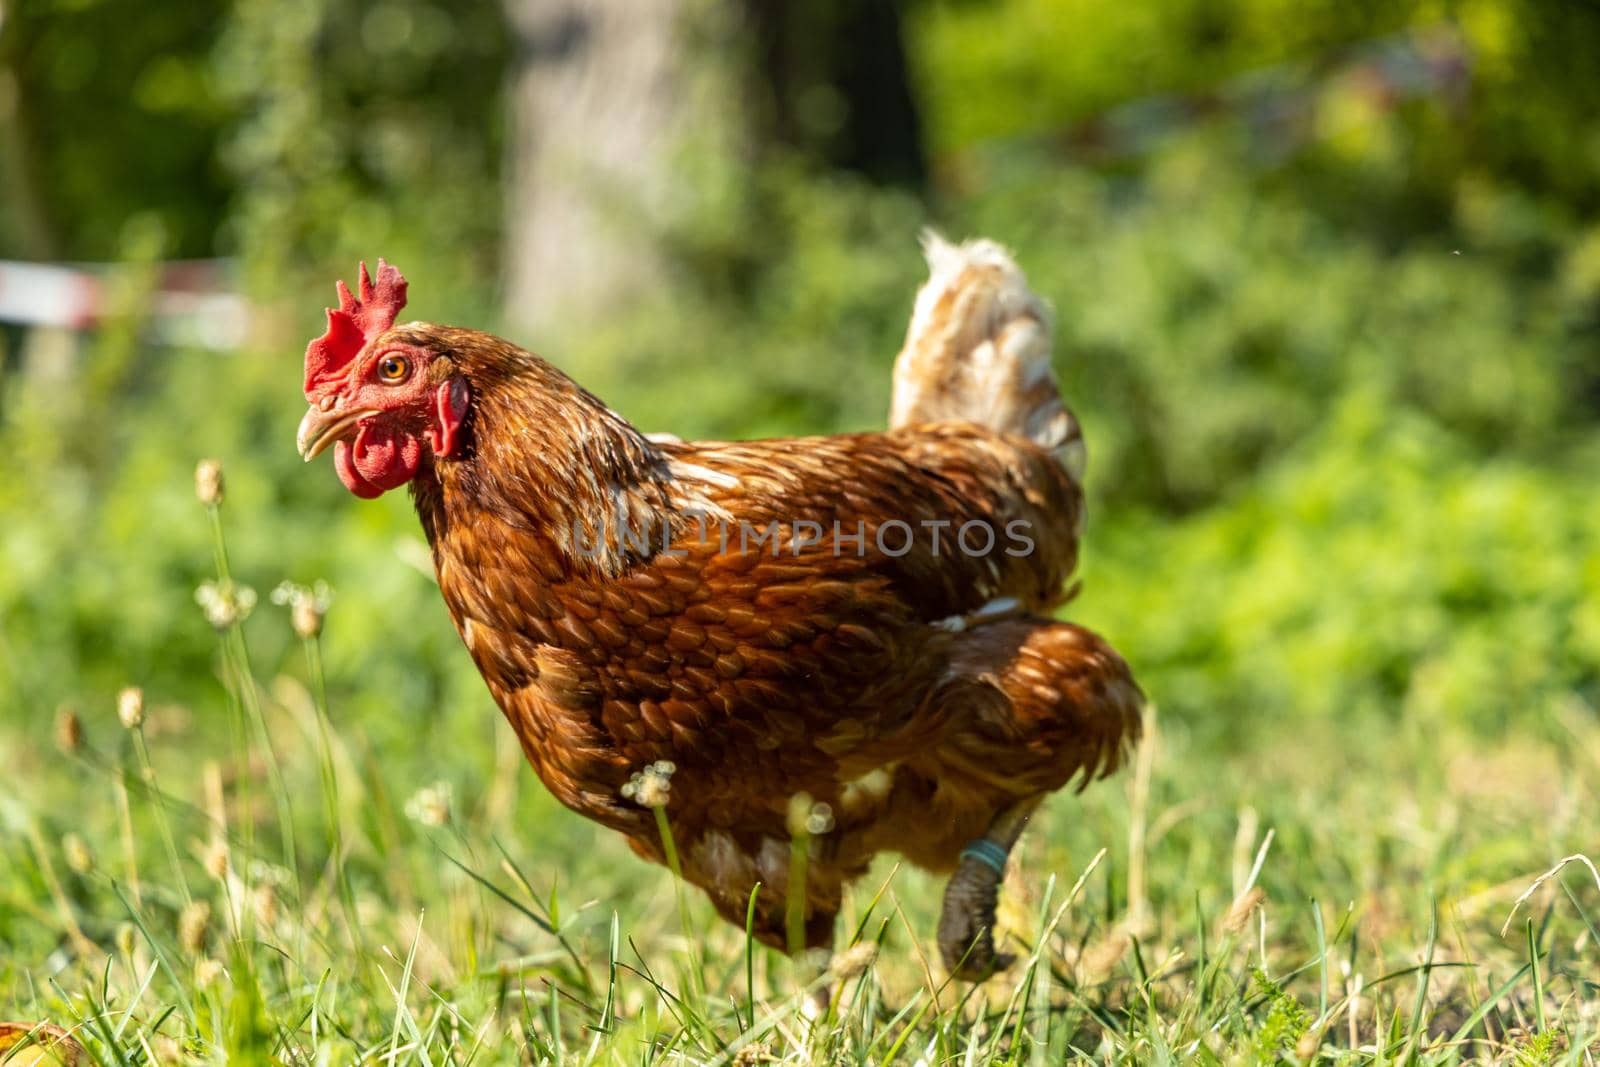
966,921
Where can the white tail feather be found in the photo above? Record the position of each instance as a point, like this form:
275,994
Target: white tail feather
978,350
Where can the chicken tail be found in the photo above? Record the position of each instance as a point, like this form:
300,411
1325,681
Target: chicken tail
978,350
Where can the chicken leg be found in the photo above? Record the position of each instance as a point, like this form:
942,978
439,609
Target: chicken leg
966,922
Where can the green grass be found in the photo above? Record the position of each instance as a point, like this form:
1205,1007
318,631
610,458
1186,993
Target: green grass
1343,433
257,881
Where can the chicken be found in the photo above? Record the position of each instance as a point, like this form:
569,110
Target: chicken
863,620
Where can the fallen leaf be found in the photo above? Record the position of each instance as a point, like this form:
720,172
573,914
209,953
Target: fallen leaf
39,1045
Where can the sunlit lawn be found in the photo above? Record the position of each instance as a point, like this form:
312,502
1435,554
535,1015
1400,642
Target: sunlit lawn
1333,891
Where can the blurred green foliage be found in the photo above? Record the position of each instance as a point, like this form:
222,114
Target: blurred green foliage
108,113
1380,570
362,126
1341,403
1341,391
284,133
1029,67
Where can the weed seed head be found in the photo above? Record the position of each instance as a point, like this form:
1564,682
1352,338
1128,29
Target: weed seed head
206,972
79,858
216,859
69,731
265,899
754,1054
853,961
1099,958
192,926
208,482
1242,909
306,618
130,707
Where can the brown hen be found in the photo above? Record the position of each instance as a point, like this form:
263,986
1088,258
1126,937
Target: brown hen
863,619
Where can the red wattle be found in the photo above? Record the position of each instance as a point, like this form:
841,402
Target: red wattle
384,457
348,474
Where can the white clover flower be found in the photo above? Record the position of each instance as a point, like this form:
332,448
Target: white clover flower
651,787
809,817
430,805
307,605
225,603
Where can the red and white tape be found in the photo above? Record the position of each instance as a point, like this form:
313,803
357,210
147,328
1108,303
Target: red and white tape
188,307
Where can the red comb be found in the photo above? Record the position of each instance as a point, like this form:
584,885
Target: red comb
351,326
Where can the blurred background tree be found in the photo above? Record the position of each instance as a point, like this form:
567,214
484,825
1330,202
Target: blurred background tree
1326,279
691,97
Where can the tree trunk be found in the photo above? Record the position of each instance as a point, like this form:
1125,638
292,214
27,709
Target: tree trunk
834,83
621,110
597,102
26,213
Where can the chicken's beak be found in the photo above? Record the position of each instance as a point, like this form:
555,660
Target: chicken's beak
319,429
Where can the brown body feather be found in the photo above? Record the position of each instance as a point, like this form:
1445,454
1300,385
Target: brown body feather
764,669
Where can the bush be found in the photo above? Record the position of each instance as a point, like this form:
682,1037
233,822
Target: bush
1383,572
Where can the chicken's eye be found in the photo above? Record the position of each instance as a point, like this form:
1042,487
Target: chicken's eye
394,369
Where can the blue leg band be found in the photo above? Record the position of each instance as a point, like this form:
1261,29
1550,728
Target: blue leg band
987,853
